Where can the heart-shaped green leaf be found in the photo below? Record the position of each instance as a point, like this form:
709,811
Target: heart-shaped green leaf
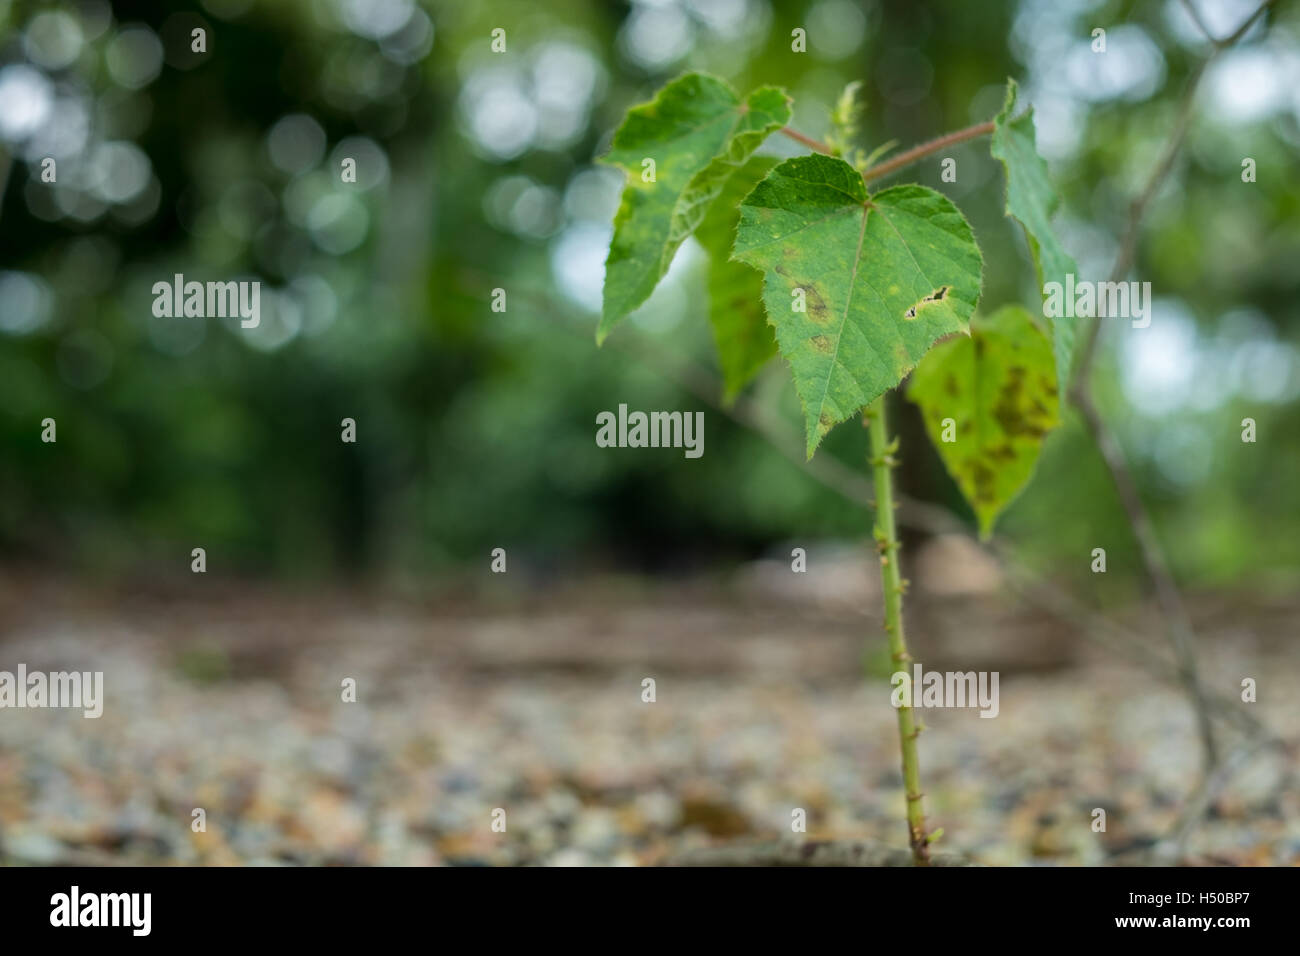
858,287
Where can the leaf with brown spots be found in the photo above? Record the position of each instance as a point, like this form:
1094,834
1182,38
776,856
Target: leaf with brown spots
864,263
999,387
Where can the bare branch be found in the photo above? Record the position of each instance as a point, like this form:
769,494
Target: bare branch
1250,21
1181,635
1173,847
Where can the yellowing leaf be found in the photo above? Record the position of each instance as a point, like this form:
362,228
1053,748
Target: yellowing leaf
998,389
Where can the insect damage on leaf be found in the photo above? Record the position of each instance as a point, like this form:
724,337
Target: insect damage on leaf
865,261
935,296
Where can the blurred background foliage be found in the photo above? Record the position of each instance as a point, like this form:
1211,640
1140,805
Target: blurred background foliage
475,171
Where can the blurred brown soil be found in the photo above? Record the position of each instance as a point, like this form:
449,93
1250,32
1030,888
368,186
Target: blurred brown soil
226,696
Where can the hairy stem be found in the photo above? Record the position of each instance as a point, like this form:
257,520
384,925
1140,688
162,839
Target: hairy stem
851,485
916,153
902,160
815,145
892,586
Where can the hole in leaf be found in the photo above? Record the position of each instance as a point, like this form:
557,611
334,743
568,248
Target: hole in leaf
936,296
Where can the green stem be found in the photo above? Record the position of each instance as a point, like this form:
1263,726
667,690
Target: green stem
893,585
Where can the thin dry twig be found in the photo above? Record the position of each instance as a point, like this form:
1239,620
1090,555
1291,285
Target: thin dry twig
1173,846
1195,14
1181,634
